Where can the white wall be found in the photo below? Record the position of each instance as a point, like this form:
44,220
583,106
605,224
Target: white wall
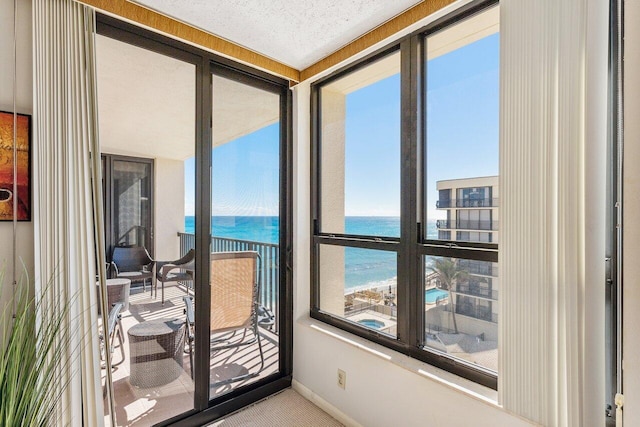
631,212
24,105
169,207
379,392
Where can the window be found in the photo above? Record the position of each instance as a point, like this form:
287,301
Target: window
361,139
360,194
405,210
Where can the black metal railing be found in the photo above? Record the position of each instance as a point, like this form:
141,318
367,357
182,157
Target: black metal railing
187,242
476,290
468,224
477,312
270,267
467,203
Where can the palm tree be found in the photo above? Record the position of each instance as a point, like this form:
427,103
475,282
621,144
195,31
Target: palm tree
449,273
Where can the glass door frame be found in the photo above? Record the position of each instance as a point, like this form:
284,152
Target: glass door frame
108,196
206,63
231,71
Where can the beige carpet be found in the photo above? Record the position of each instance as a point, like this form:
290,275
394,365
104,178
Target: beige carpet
282,410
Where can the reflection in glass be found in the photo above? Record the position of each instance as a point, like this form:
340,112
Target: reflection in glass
461,309
360,285
132,203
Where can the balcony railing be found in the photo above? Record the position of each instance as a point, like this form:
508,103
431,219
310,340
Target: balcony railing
478,291
467,203
477,312
270,273
480,268
468,225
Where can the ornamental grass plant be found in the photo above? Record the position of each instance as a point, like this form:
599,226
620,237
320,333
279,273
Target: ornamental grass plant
34,358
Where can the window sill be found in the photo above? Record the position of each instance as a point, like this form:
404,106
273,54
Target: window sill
440,376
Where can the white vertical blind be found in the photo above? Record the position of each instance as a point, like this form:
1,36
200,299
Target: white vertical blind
545,223
64,131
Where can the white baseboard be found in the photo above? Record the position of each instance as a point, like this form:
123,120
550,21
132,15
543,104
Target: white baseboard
324,405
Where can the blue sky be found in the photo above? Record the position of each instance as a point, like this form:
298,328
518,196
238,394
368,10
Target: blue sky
372,151
245,176
462,115
462,141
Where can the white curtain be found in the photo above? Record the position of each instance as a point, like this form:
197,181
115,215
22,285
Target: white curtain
552,169
64,129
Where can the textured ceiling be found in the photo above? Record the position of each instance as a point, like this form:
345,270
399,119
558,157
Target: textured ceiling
146,101
146,104
297,33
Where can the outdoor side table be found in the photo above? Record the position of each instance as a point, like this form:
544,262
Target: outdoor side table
117,291
156,351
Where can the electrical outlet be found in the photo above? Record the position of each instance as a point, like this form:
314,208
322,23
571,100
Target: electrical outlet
342,379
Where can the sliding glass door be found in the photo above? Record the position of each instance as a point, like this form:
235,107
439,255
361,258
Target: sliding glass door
197,192
247,238
147,131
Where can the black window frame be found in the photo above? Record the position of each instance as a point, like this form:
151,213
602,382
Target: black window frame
413,245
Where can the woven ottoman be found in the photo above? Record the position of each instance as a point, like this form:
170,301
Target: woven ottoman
156,350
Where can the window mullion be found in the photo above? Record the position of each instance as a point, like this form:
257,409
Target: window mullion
408,276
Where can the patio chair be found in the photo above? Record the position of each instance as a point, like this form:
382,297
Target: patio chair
266,319
114,330
189,331
133,263
235,281
180,270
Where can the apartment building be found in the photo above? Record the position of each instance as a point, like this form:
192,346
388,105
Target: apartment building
471,205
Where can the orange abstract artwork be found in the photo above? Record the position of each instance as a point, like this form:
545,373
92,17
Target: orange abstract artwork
7,195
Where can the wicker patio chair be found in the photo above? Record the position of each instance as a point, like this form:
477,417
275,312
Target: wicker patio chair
133,263
114,330
180,270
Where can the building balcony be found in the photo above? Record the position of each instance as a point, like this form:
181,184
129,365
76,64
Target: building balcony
480,268
467,203
472,289
474,225
148,406
476,312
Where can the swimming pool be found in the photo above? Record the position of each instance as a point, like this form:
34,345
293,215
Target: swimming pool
371,323
434,294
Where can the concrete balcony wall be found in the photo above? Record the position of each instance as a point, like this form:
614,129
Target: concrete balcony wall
169,207
466,324
333,203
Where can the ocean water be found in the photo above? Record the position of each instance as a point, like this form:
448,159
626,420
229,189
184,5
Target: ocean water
263,229
363,267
